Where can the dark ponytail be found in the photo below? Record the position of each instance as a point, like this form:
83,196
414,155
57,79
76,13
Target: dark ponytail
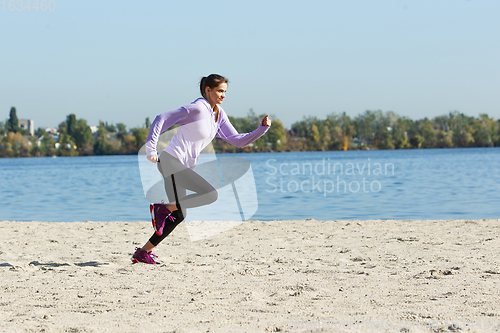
212,81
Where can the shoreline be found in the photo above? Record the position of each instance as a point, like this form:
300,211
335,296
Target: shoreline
271,151
260,276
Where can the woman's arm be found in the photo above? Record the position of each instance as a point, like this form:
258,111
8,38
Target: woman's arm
163,122
228,133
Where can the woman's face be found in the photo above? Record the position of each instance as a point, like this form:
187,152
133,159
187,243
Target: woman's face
216,95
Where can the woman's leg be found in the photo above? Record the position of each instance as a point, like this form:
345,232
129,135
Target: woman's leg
183,179
204,193
179,215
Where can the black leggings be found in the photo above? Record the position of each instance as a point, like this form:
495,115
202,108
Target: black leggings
178,179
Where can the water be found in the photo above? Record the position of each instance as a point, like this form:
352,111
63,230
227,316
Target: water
391,184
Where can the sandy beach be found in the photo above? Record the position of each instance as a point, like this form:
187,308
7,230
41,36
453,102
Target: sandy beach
260,276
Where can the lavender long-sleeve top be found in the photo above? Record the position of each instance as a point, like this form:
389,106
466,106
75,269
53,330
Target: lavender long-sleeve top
197,129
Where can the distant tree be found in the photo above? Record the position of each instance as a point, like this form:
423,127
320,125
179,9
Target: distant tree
140,135
71,124
40,132
47,143
336,138
37,150
382,127
2,128
366,126
428,132
13,122
400,133
324,138
121,131
276,135
484,130
128,145
347,126
83,138
65,141
301,128
416,141
102,145
444,139
314,137
6,143
15,145
110,128
462,129
147,123
75,132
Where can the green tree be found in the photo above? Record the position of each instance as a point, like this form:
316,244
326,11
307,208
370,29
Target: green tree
110,128
324,138
336,138
314,138
47,147
121,131
276,135
366,126
125,140
13,122
102,145
428,132
301,129
383,126
140,135
15,145
484,130
76,133
37,149
66,143
83,137
461,126
129,144
444,139
71,124
400,133
348,129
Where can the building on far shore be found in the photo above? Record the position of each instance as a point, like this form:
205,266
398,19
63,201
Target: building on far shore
27,124
53,132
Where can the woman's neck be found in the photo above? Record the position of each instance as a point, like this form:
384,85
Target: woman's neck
213,106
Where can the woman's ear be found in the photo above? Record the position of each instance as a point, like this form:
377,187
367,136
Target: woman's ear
207,90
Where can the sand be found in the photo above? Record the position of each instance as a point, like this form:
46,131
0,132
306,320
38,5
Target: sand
260,276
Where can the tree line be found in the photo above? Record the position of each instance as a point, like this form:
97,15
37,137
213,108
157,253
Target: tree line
387,130
370,130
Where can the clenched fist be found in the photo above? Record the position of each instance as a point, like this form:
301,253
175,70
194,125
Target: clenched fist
266,121
153,158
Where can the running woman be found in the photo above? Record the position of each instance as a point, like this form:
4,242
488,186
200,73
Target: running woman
199,122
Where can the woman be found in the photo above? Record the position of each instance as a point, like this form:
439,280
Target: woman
199,122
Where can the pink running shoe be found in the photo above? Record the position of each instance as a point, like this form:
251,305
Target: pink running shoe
144,256
159,214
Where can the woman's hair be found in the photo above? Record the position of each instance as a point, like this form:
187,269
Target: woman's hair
212,81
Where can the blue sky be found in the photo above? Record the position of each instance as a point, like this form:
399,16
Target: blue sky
123,61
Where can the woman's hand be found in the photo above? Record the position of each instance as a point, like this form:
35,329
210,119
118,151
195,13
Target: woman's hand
153,158
266,121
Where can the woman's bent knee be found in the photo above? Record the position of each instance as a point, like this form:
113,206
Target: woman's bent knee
213,196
